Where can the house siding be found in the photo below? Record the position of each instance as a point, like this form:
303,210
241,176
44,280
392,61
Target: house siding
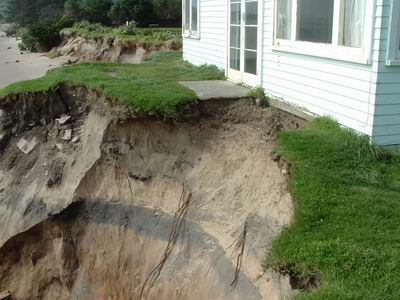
342,90
365,97
211,47
386,129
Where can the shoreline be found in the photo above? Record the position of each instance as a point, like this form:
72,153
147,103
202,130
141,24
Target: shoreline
17,66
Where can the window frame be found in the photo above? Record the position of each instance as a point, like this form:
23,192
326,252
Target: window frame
393,53
334,50
189,33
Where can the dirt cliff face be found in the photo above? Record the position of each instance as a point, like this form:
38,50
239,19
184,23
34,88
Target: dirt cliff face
110,49
141,208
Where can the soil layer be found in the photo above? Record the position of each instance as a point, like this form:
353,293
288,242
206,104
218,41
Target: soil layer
140,208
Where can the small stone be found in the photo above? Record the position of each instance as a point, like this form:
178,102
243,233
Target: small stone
9,48
156,214
60,147
258,102
5,295
43,121
27,147
67,135
284,171
63,119
75,139
17,61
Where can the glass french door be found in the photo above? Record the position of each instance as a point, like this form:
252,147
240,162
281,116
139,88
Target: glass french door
244,41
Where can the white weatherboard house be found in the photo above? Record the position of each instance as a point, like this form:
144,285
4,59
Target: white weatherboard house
330,57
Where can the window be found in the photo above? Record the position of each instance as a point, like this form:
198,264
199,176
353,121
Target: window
393,57
191,18
336,28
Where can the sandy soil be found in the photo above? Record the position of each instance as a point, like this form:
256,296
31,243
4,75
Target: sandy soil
140,208
16,67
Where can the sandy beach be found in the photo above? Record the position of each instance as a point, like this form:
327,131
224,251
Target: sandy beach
16,67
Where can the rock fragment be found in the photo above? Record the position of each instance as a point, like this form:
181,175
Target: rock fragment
5,295
63,119
27,146
67,135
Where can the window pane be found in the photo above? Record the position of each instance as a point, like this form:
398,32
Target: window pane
187,15
251,38
352,22
252,13
315,20
235,59
235,13
250,62
235,36
284,19
194,15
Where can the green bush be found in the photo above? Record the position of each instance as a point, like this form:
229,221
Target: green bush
43,35
128,29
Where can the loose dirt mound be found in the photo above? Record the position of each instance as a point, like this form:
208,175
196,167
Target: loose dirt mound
110,49
141,208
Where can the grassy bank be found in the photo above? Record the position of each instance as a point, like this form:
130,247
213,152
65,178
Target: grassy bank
143,35
148,87
346,230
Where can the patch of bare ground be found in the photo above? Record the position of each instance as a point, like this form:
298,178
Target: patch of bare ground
140,208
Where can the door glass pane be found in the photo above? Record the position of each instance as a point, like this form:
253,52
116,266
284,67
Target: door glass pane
235,59
284,19
251,38
250,62
235,36
252,13
235,13
187,14
194,15
352,18
315,20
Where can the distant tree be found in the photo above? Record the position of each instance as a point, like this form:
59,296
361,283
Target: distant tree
97,10
23,12
72,9
141,11
168,10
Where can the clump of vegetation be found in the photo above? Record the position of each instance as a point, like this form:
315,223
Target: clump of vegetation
128,29
259,96
148,87
43,35
127,32
347,215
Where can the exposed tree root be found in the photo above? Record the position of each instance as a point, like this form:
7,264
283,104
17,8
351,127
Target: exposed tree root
240,244
179,219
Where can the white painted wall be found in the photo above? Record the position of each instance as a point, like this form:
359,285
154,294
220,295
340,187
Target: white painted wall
365,97
387,112
211,48
343,90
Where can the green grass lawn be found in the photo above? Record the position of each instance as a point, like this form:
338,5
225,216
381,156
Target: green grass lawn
151,36
346,228
148,87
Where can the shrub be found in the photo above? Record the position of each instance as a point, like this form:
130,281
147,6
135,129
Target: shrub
128,29
43,35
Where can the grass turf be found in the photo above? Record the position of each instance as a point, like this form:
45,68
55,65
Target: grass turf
346,228
151,36
148,87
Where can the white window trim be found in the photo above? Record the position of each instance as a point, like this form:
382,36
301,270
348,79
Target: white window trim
393,54
194,34
331,51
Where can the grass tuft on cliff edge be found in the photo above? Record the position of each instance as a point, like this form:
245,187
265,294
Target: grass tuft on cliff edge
148,87
346,229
